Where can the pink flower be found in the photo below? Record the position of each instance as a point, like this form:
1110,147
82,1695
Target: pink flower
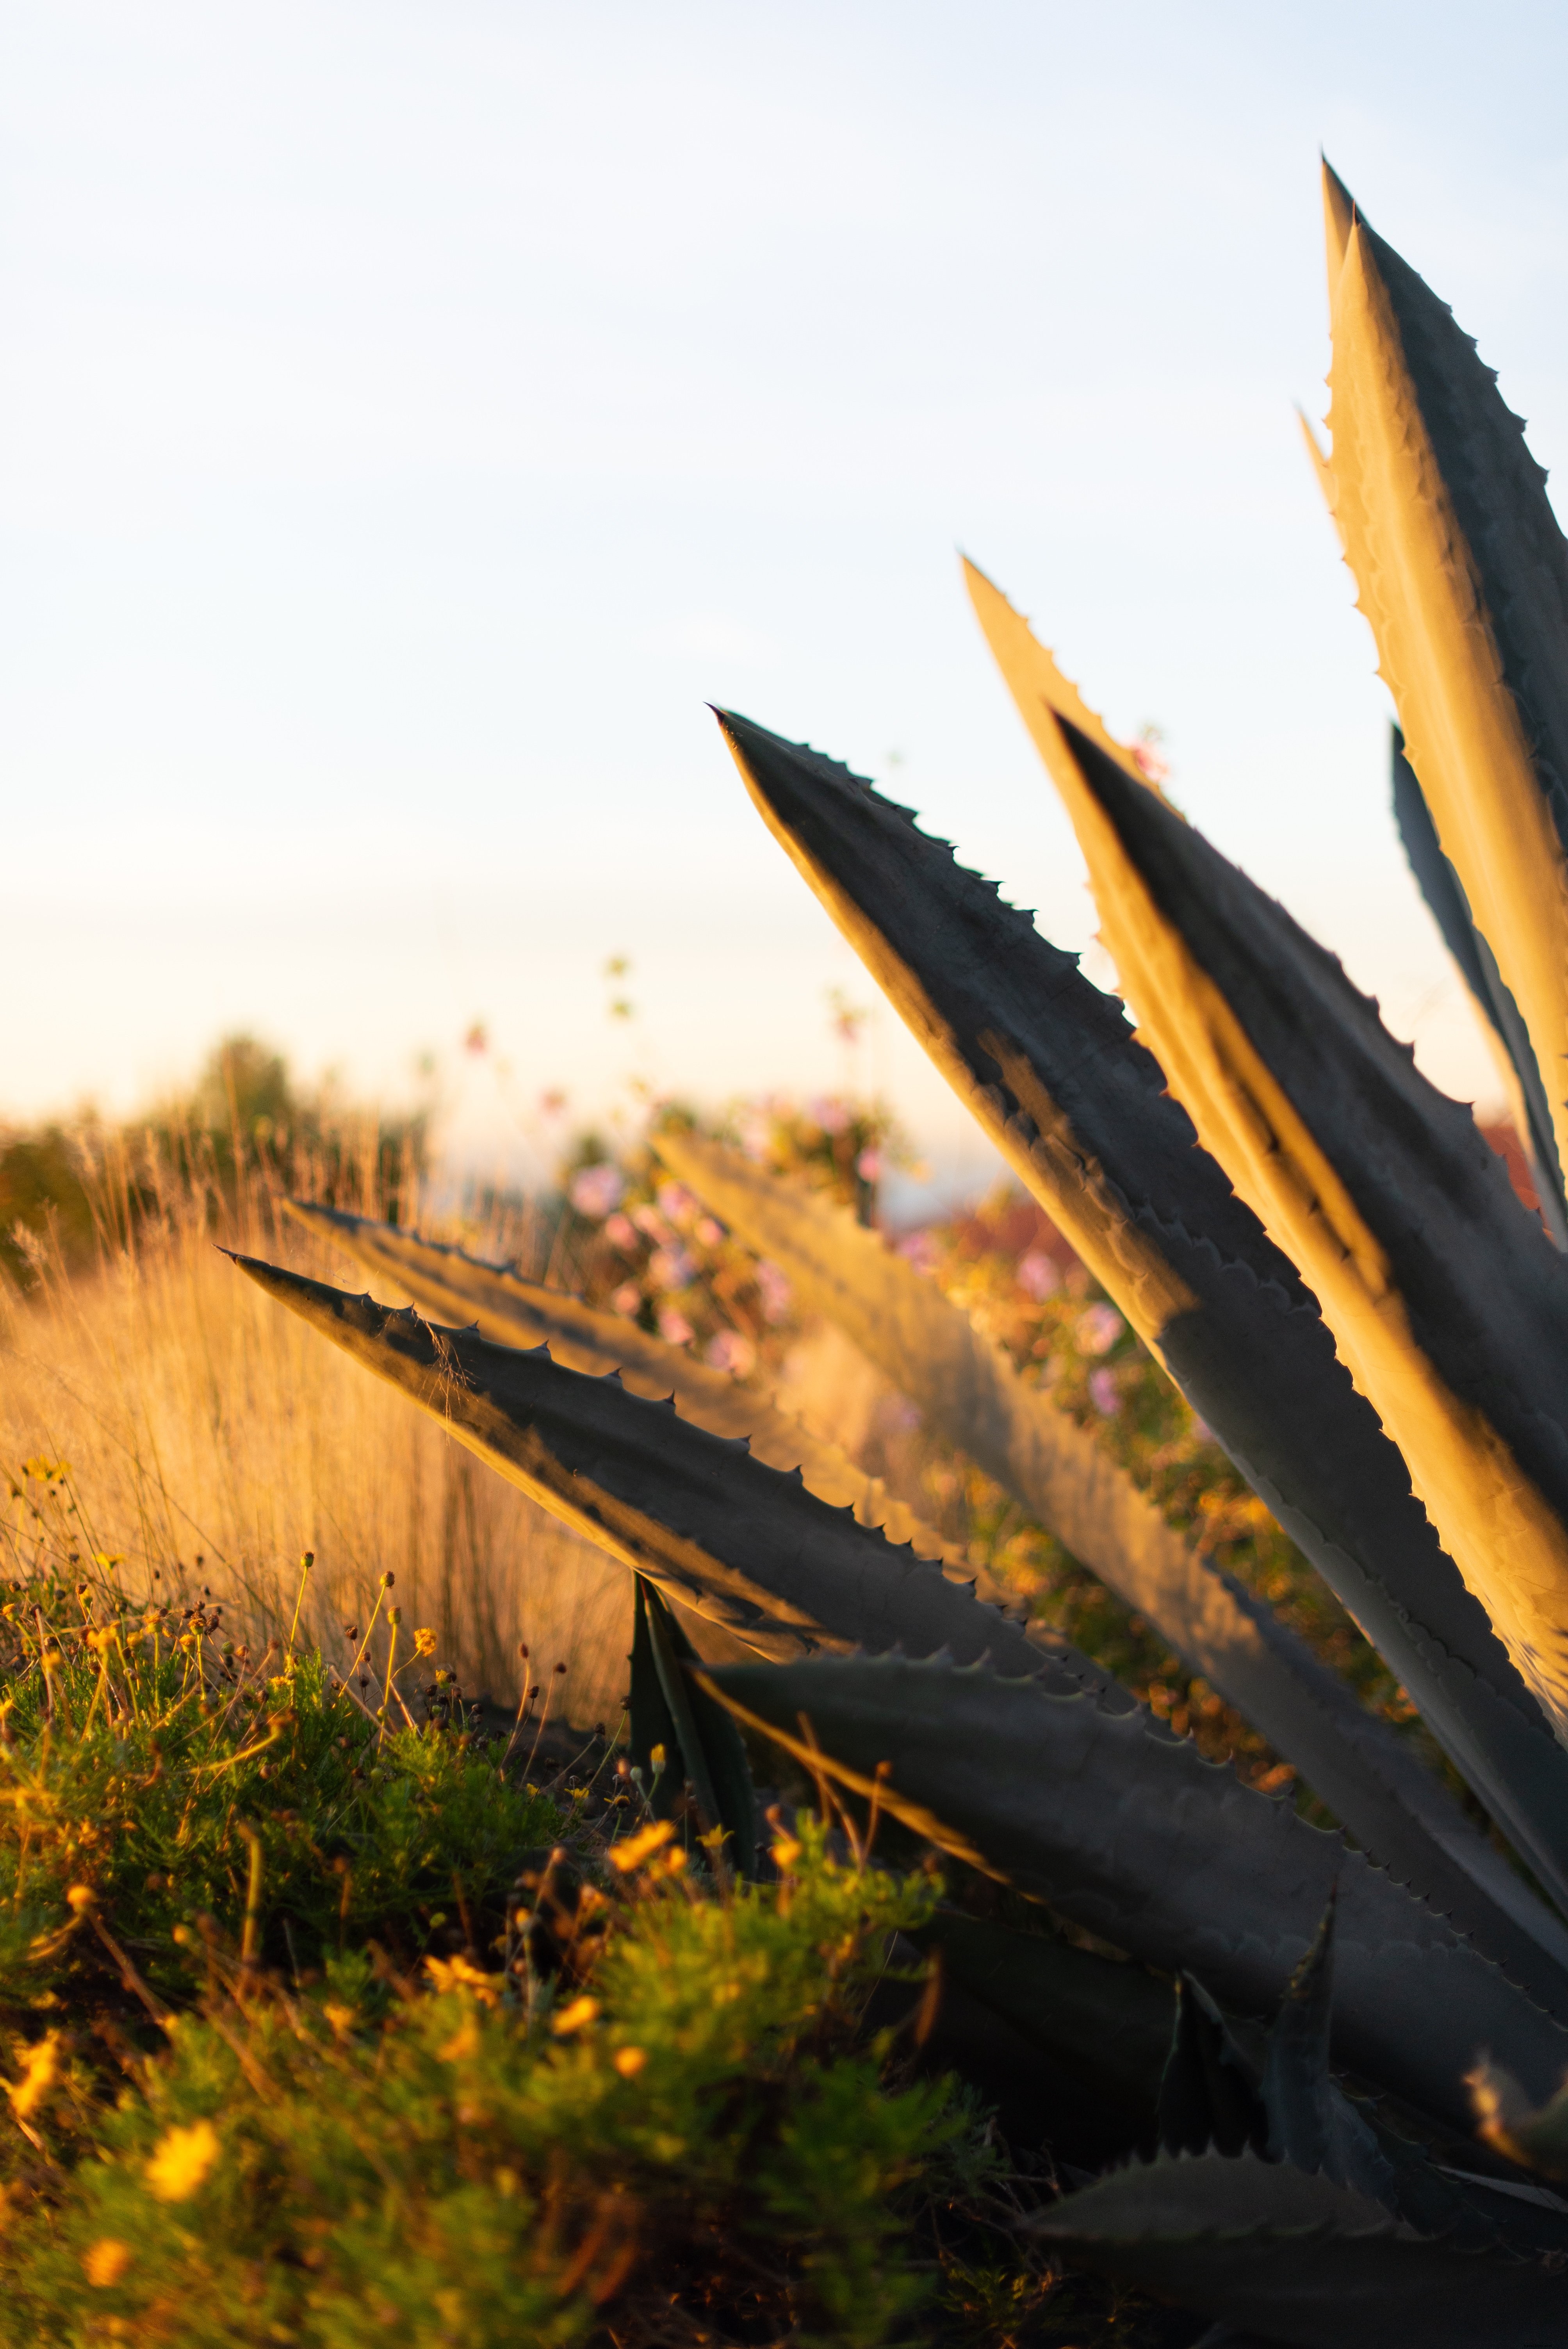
775,1291
868,1165
1098,1329
828,1112
627,1299
1150,761
674,1328
619,1232
596,1189
709,1233
676,1202
1104,1394
1038,1275
670,1267
649,1220
733,1352
920,1250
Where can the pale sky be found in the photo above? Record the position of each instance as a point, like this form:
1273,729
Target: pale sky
410,416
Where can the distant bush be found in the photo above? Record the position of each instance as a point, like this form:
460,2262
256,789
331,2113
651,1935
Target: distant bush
70,1186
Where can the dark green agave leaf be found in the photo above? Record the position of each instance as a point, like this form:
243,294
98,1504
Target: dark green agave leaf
702,1747
457,1287
1447,1301
720,1533
1103,2027
970,1391
1294,2257
1440,886
1051,1067
1138,1839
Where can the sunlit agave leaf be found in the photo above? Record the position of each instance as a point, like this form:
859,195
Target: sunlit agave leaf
1284,2256
502,1306
1447,1301
1033,678
720,1533
1135,1838
1051,1071
1462,571
1502,1026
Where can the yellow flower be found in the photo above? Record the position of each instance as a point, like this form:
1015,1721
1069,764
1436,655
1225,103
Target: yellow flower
574,2017
636,1848
81,1896
40,2069
461,2044
457,1973
424,1643
786,1852
184,2157
629,2061
106,2261
342,2018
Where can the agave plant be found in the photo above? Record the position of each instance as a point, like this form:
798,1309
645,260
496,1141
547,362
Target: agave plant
1326,2092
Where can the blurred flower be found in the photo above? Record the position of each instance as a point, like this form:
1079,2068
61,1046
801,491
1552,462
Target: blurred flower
597,1189
709,1233
896,1415
619,1231
774,1287
920,1250
828,1112
1038,1275
670,1267
733,1352
552,1103
179,2166
674,1328
1098,1329
649,1220
1148,758
676,1202
478,1038
40,2069
1104,1394
756,1133
627,1299
106,2261
869,1165
629,2061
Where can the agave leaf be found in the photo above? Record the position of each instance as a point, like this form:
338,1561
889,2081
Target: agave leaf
720,1533
1105,2024
1295,2258
1209,2093
965,1386
1138,1839
1501,1025
1036,685
702,1746
1050,1067
1448,1303
513,1311
1462,571
1311,2122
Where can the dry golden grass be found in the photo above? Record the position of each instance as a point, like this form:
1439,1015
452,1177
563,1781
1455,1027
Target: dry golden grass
212,1439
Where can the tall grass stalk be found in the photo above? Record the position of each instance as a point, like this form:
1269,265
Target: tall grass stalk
218,1440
